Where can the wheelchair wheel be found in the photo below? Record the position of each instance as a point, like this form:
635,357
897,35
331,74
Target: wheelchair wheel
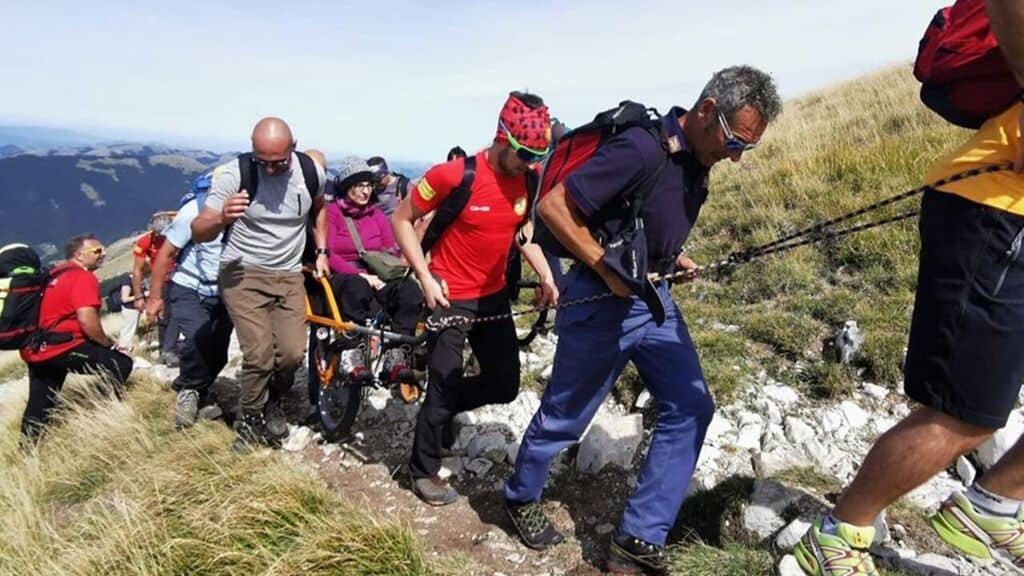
337,402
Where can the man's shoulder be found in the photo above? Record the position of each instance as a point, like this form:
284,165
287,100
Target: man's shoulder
226,174
69,276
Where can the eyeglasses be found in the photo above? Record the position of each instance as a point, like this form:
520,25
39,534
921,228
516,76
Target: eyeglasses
97,250
272,164
363,185
732,143
525,153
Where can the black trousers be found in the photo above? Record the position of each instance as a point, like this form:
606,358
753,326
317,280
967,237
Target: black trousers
167,326
45,380
448,392
207,327
401,299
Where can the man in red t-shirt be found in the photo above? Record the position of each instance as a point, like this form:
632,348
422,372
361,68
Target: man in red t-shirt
74,340
146,248
466,277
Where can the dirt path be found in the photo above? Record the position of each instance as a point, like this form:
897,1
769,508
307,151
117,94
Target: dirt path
371,470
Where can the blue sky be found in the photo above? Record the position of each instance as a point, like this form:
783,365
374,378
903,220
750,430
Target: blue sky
411,79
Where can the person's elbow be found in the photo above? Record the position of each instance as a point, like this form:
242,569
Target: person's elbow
554,207
202,231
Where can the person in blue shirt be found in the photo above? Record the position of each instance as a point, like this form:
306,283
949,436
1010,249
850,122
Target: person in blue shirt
194,299
596,340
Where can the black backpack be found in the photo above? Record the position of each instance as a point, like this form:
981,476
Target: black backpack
113,299
22,281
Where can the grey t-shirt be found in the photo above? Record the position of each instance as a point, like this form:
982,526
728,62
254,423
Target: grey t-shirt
272,233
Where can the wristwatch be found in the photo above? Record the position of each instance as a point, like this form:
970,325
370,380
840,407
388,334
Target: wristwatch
321,252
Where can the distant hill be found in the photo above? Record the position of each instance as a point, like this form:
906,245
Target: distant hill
108,190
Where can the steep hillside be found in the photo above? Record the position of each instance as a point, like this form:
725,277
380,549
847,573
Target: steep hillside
830,153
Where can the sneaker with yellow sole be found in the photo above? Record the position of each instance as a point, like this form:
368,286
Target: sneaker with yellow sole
843,554
972,533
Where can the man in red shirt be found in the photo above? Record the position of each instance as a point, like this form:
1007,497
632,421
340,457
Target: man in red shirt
74,339
146,248
466,277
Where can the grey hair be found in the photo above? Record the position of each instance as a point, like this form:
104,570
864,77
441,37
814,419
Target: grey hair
739,86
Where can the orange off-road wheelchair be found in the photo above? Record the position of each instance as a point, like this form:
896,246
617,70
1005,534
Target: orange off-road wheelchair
339,396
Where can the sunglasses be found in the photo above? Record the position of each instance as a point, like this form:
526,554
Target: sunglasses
274,164
96,250
525,153
732,143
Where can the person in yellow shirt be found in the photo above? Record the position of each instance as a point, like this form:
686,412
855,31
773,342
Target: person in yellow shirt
964,362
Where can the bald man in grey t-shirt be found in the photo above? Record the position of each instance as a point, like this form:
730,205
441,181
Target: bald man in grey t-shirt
260,270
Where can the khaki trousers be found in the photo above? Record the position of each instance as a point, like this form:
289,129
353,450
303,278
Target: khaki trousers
268,310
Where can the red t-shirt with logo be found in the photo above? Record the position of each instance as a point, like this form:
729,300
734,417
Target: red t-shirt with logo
71,287
471,254
147,245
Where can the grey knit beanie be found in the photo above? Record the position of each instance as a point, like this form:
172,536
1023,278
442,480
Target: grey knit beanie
353,170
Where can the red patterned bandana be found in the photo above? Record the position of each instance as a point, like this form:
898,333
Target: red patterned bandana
529,126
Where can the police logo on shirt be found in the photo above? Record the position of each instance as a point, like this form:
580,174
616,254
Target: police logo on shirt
520,206
425,191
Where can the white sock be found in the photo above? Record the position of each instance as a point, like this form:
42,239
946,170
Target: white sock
992,504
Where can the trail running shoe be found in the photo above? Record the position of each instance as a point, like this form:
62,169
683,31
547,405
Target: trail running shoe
845,554
980,535
533,525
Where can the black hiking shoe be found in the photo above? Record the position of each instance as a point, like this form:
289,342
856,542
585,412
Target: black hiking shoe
629,555
252,433
532,525
434,490
273,415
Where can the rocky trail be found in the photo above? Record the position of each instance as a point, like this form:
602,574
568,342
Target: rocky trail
784,454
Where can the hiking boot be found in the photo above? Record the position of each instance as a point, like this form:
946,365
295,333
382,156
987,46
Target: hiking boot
170,359
631,555
975,534
252,432
273,414
532,525
845,554
434,491
397,371
186,408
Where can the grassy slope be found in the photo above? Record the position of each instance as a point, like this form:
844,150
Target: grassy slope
830,153
115,490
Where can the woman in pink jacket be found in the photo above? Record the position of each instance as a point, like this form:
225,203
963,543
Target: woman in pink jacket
361,294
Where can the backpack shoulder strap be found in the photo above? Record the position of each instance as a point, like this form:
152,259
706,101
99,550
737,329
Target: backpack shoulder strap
532,190
451,207
248,173
402,186
309,174
639,192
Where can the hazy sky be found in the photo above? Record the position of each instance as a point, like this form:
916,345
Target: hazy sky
411,79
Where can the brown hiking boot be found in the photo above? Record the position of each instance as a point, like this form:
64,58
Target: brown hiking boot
434,490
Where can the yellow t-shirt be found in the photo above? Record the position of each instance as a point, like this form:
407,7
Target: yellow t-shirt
996,142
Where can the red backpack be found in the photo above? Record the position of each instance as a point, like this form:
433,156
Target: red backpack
576,147
964,77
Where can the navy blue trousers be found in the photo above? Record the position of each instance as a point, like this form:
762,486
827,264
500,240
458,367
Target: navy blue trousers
594,343
206,325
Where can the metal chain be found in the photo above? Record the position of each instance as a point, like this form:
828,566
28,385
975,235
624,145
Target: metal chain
810,235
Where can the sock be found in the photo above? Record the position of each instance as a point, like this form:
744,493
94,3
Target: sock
829,524
992,504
